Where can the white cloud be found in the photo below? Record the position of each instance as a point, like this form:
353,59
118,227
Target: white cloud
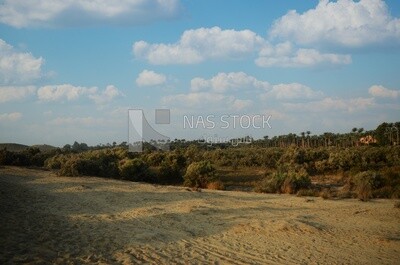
332,104
58,13
275,114
70,92
225,81
197,99
18,67
150,78
11,93
285,56
106,95
197,45
66,91
292,91
239,104
344,23
211,101
383,92
13,116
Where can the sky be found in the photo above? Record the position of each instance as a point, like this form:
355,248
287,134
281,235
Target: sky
70,70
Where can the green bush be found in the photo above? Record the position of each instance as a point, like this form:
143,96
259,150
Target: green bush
199,174
296,180
135,170
286,182
92,163
271,183
56,161
172,169
365,183
70,167
6,157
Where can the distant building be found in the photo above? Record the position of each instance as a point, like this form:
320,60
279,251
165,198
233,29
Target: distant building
367,140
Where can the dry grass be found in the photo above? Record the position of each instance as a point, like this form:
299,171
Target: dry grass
242,177
216,185
307,192
325,194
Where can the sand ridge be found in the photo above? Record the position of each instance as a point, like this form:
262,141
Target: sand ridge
88,220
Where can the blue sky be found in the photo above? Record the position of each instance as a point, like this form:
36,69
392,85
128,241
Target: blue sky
70,70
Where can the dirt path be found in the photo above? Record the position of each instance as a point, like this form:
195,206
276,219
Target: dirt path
50,219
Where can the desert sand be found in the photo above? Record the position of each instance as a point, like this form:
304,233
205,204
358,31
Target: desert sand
88,220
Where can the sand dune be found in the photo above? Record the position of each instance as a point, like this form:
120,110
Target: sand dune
45,218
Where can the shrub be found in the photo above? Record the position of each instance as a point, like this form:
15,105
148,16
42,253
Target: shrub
55,162
199,174
171,169
295,181
6,157
286,182
325,194
216,185
134,170
365,182
271,183
70,167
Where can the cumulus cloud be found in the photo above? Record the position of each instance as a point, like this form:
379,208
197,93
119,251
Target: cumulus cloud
292,91
18,67
13,116
197,99
69,92
383,92
197,45
284,55
225,81
332,104
345,23
211,92
106,95
240,104
150,78
13,93
275,114
59,13
66,91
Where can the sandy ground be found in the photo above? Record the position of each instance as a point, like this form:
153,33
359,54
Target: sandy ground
50,219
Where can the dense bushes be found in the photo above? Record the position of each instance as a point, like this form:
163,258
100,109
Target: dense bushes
285,182
172,168
288,170
365,182
134,170
32,156
103,163
199,174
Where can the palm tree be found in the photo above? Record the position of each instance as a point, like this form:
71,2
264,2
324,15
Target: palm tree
327,139
308,138
266,138
354,130
303,134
